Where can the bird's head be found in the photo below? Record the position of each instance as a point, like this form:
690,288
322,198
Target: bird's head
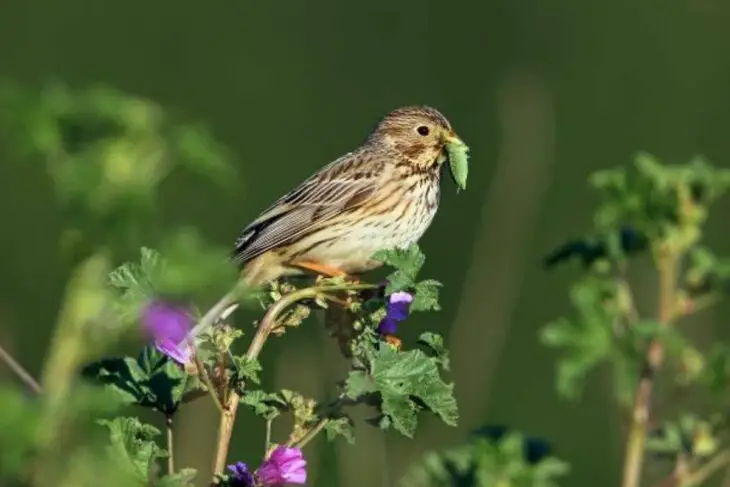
418,133
423,137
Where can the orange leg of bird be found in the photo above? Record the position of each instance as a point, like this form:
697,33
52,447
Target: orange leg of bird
322,269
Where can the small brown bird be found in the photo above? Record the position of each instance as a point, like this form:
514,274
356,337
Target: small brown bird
382,195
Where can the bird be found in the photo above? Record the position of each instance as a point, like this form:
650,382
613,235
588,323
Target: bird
382,195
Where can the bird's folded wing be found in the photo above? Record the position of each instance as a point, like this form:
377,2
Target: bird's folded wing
336,189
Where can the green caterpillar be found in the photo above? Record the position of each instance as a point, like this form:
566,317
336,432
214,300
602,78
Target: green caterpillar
458,163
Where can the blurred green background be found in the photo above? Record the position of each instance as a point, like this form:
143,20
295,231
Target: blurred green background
544,93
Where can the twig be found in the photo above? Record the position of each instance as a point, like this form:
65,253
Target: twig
267,441
207,381
634,460
170,457
312,433
707,470
20,371
268,323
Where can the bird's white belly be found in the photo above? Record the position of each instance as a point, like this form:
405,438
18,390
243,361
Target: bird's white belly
352,251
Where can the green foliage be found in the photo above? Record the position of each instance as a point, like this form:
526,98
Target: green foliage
151,380
184,268
486,463
19,423
405,383
408,263
107,153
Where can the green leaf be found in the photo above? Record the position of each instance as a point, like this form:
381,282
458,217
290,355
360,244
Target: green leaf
182,478
264,404
133,445
340,427
406,382
426,296
134,282
152,380
435,343
407,262
247,370
19,423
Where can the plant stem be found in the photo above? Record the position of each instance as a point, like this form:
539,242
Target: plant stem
20,371
707,470
311,434
267,441
667,267
267,325
170,456
208,382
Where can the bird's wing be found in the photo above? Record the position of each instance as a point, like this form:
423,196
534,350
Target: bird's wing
339,187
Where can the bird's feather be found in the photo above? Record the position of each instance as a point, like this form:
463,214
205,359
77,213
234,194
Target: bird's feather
339,187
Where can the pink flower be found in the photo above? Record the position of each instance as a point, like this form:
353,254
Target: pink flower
169,326
284,466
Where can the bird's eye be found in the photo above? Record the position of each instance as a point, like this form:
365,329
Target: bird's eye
422,130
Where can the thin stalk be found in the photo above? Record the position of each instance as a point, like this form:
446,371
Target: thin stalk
208,382
20,371
703,473
311,434
634,460
267,441
267,325
170,454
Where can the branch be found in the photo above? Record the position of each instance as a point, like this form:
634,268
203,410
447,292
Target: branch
20,371
667,266
267,325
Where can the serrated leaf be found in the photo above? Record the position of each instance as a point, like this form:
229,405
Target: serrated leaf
401,379
264,404
340,427
409,261
426,296
435,343
133,445
247,369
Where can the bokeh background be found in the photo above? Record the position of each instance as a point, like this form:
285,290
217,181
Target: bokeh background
544,93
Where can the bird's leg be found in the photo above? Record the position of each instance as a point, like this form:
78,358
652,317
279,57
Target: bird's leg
321,269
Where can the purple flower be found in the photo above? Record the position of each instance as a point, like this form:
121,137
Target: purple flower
240,476
284,466
169,326
399,304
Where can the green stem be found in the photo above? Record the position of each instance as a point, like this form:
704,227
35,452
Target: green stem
267,441
311,434
203,373
633,464
707,470
20,371
170,454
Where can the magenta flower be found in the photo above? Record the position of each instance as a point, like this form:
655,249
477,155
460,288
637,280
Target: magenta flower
240,476
284,466
169,326
399,304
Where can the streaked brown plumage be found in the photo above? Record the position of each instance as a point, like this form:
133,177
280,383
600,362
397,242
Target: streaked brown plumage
382,195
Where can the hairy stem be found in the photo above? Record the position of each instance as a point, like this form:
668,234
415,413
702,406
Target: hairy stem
20,371
311,434
634,460
267,441
267,325
169,436
208,382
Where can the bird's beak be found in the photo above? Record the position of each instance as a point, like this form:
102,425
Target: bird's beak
450,137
